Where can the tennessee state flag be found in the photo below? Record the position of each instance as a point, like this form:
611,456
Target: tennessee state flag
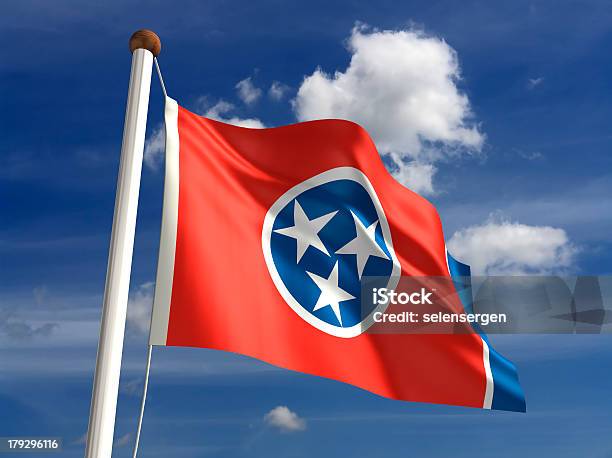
266,235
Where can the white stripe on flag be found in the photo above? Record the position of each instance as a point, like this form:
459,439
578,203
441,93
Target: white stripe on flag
167,242
488,397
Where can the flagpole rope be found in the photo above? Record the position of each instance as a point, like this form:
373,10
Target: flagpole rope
150,349
144,400
161,79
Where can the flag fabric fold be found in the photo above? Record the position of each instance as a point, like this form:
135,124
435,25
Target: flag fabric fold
266,237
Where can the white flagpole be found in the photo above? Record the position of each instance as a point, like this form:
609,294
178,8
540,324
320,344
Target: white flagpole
144,45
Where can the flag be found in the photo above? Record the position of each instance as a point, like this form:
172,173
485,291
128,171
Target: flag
266,237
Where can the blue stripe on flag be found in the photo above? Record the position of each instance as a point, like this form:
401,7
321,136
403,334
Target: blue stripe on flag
507,391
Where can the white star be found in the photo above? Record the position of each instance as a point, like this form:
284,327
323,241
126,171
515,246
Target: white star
305,231
363,245
331,294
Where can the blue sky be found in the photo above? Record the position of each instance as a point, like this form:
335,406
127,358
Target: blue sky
536,78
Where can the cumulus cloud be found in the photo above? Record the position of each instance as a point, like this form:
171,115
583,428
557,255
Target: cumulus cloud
417,175
155,146
502,247
220,111
247,91
277,90
402,87
139,308
285,420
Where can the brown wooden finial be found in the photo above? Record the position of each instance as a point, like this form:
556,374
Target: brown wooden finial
145,39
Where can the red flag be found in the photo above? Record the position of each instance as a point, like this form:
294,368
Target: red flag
265,234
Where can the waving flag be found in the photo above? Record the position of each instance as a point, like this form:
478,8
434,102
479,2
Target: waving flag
266,237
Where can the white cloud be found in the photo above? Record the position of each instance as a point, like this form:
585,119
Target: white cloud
155,147
131,387
277,90
285,420
414,174
124,440
529,155
247,91
140,306
219,112
402,87
501,247
532,83
15,328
